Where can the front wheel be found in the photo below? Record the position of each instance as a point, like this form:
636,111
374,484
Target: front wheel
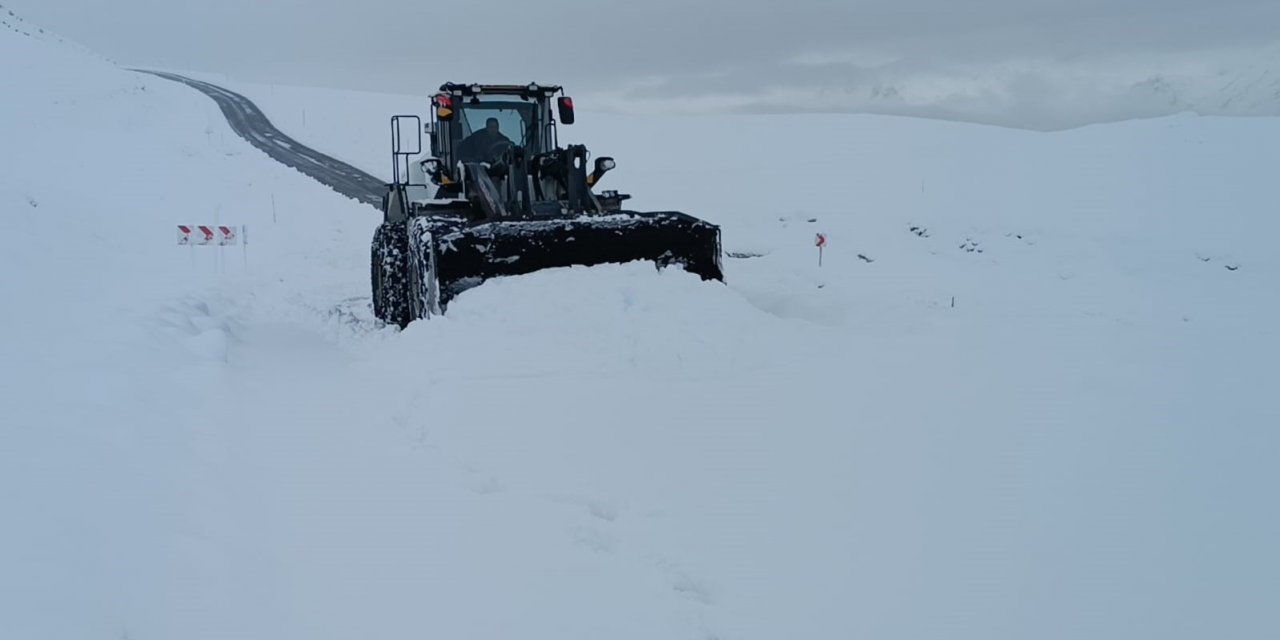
389,266
424,286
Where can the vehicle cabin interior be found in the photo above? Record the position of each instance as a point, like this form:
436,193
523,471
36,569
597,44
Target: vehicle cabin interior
490,126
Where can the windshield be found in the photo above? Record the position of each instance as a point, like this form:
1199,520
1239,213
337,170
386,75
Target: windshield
489,128
512,119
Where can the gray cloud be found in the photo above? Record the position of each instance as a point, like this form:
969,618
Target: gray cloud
726,49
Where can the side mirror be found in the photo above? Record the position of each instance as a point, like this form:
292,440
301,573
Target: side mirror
565,106
434,170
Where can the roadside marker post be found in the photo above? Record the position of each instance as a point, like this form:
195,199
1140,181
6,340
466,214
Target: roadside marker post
215,235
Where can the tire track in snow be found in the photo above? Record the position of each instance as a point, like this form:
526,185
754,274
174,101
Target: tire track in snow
250,123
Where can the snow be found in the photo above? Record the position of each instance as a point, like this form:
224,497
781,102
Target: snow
1044,413
1047,93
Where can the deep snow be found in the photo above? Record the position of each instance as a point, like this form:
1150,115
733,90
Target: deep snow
1082,446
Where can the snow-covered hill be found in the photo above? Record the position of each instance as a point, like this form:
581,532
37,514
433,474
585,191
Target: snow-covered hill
128,508
1030,94
1255,91
1025,395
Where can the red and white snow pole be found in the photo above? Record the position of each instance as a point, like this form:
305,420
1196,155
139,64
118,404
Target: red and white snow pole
820,242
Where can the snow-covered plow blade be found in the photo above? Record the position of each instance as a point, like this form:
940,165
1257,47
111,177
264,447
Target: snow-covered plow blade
446,259
473,254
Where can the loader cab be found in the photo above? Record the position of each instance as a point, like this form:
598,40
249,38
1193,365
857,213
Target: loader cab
461,117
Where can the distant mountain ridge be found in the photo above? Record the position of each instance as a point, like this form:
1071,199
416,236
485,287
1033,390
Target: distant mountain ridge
1045,95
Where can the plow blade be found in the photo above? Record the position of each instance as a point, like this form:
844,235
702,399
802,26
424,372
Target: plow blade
464,257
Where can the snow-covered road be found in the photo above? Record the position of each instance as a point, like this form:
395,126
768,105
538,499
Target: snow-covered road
248,121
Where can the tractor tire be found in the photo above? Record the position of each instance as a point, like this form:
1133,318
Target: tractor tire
389,266
423,285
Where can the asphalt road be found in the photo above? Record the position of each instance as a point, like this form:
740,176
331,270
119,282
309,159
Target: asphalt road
248,121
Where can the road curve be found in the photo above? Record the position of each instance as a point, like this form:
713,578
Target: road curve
248,121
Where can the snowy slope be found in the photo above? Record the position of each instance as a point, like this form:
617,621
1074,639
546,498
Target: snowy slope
1081,446
125,512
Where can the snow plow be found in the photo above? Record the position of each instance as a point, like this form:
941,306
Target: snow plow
495,195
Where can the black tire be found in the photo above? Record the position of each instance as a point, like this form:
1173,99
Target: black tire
423,288
389,270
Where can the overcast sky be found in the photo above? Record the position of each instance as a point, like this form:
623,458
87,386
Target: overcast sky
654,47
